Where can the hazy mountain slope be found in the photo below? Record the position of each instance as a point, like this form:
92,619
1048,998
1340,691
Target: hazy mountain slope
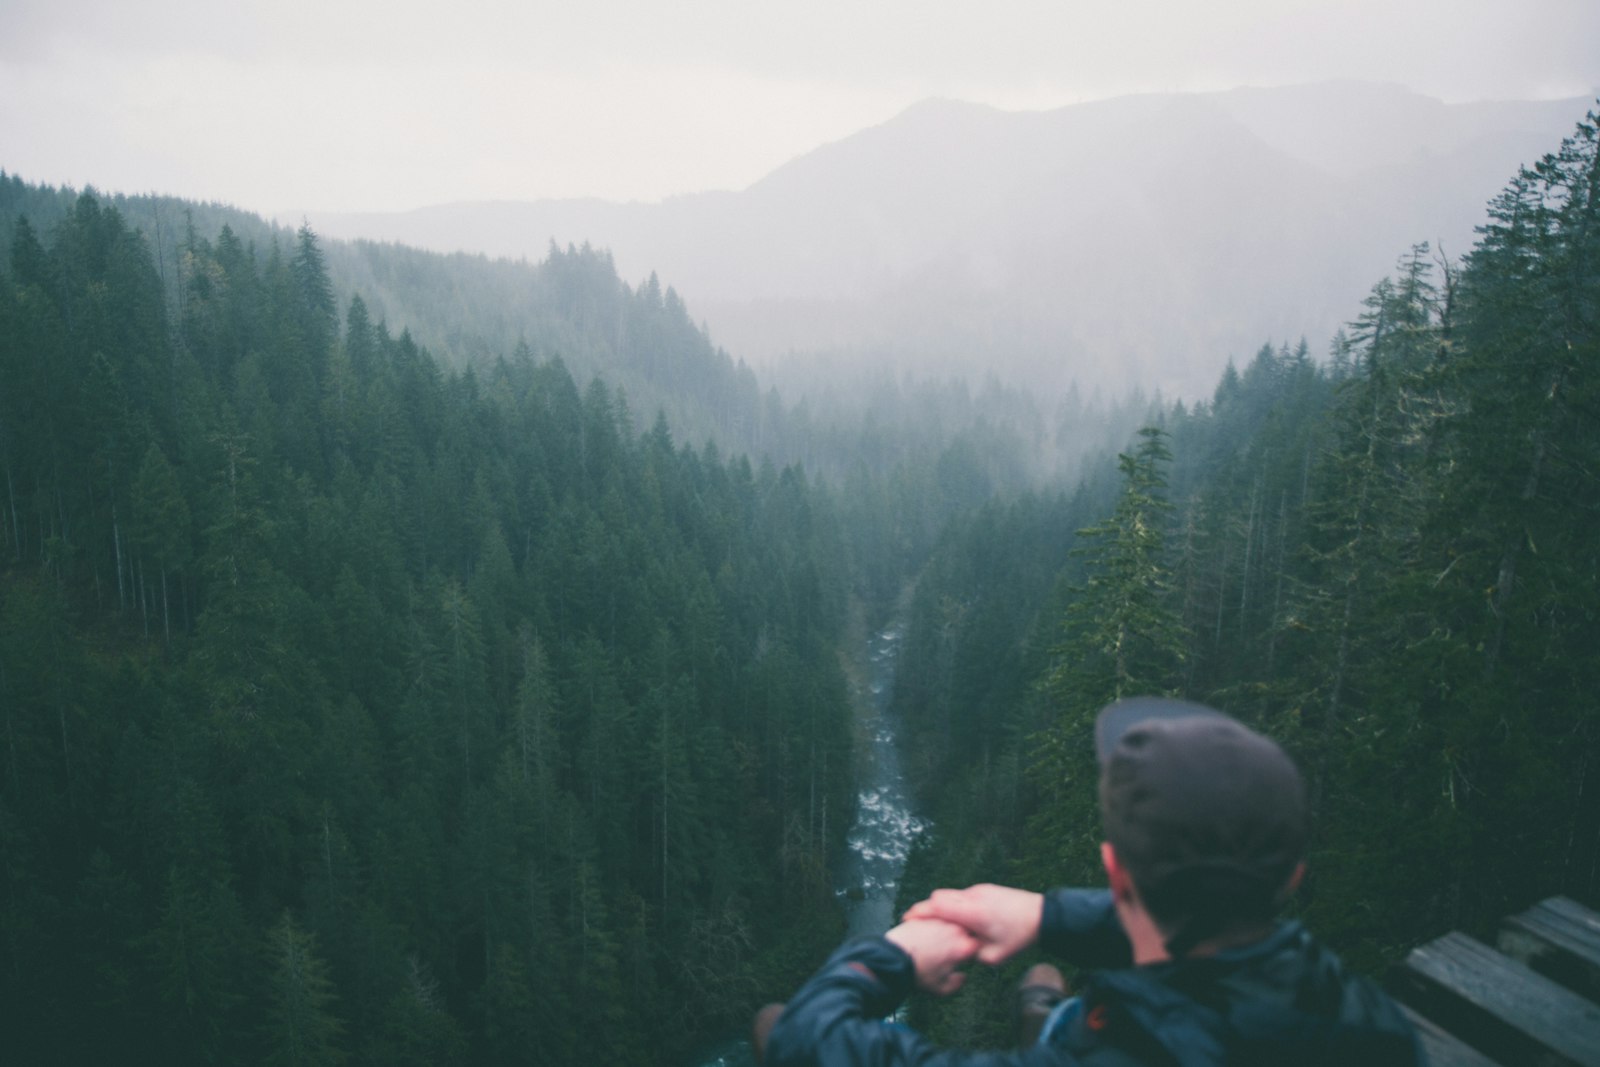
644,341
1144,238
466,309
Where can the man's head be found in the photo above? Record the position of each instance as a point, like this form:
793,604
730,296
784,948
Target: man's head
1206,817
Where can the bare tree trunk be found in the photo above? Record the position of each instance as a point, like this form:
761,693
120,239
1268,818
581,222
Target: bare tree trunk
144,602
1305,481
1249,544
116,542
1277,591
1222,594
1507,579
61,514
824,801
16,526
1572,829
811,798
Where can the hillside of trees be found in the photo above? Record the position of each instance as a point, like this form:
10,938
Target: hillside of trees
1134,240
469,311
1388,561
365,702
361,710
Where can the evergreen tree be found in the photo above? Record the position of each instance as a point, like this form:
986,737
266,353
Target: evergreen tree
302,1030
160,529
1121,636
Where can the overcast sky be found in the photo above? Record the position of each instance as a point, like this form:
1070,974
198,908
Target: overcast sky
279,105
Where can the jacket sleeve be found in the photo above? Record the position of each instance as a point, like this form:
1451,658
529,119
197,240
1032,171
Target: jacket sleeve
1081,927
837,1019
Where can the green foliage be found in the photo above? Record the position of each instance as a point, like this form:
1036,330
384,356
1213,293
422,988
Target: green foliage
302,1030
1121,635
1388,562
368,711
355,707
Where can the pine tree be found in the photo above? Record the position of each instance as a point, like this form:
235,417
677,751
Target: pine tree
302,1030
161,525
1516,583
1121,636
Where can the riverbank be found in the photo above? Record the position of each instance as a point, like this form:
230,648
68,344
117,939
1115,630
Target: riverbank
866,876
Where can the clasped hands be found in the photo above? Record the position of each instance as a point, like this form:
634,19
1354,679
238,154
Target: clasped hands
989,923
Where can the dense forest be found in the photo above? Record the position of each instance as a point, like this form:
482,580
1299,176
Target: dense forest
379,695
469,311
1388,561
356,709
833,416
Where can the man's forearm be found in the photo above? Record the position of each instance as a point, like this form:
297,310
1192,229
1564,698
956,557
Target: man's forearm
835,1018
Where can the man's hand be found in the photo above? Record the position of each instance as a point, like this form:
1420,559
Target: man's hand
1003,920
936,949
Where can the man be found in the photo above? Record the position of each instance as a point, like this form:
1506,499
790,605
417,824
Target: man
1205,830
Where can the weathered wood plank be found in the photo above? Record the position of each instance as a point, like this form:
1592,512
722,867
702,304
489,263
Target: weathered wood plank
1560,939
1498,1005
1443,1049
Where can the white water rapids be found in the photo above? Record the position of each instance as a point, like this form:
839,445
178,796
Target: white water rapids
868,875
886,827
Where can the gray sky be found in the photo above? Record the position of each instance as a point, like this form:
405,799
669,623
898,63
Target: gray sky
278,105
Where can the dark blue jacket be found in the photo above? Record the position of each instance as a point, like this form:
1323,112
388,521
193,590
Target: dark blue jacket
1282,1000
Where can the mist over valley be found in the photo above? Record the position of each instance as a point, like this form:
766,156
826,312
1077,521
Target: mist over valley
1138,241
539,631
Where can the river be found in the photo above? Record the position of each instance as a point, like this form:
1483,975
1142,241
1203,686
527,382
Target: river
886,827
868,874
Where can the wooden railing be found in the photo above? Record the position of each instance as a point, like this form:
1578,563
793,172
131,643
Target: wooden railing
1533,1001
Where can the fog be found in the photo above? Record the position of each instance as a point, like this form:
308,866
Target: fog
1136,242
290,105
1051,192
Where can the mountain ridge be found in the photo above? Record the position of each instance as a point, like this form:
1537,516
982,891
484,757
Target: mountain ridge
1137,240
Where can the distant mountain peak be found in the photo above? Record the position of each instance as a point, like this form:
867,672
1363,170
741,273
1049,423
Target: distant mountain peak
1136,238
944,107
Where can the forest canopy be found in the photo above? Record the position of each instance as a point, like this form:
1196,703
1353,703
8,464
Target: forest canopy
360,709
362,706
1387,561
